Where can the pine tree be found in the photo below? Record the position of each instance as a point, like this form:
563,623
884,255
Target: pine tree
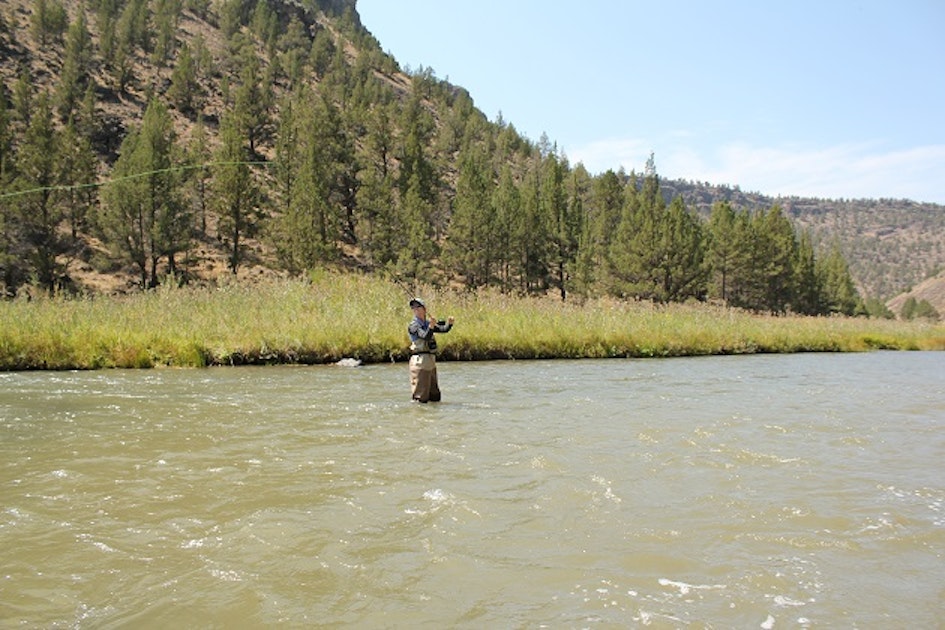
144,217
840,294
635,253
287,147
877,308
252,100
167,14
232,15
743,265
12,271
77,176
203,61
264,23
416,168
322,54
769,283
198,177
185,90
49,21
779,237
293,53
923,310
417,184
470,246
235,191
74,76
379,229
310,226
585,272
909,308
89,125
682,250
173,218
23,97
657,252
7,156
531,240
579,195
509,225
121,62
565,212
807,288
726,250
603,212
106,20
134,26
343,129
40,213
132,33
415,259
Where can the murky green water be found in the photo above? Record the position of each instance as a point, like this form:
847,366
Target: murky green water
766,491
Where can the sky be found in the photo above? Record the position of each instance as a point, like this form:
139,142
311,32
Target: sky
822,98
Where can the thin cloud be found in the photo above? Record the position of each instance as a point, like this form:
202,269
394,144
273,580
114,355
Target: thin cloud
843,171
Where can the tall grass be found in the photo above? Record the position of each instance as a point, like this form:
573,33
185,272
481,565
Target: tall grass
545,328
334,316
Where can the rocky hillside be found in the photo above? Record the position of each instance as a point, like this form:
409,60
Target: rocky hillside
120,90
892,246
931,290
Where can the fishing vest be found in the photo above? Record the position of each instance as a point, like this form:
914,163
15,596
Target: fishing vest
419,345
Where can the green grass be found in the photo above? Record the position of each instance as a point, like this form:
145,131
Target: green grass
345,315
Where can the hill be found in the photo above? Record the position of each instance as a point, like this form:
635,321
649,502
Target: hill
891,245
247,59
932,290
123,68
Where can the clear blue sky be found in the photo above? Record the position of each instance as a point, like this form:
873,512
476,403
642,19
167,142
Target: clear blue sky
827,98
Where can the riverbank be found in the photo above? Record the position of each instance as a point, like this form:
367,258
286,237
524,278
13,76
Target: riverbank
339,316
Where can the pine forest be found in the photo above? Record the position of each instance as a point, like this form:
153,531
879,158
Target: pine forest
181,140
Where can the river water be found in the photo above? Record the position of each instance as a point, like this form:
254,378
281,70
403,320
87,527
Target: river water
752,492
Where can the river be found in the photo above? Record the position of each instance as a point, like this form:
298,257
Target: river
768,491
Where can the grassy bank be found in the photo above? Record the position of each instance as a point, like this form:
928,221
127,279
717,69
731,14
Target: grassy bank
337,316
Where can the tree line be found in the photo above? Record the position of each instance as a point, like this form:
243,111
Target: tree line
312,140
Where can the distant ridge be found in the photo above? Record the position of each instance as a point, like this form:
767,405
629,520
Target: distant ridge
891,245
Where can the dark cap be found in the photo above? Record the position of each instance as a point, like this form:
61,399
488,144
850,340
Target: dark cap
415,302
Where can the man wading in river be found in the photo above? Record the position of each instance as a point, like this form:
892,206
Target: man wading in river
423,352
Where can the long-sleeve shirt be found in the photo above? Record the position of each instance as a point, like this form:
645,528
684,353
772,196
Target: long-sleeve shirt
421,332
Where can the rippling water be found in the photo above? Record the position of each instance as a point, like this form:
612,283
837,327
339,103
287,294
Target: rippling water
762,491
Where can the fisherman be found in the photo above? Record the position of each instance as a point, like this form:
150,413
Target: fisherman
423,381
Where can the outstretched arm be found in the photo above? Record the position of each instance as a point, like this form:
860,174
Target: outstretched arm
442,327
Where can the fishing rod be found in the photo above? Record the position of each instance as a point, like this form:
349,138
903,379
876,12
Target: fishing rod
395,277
108,182
412,295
